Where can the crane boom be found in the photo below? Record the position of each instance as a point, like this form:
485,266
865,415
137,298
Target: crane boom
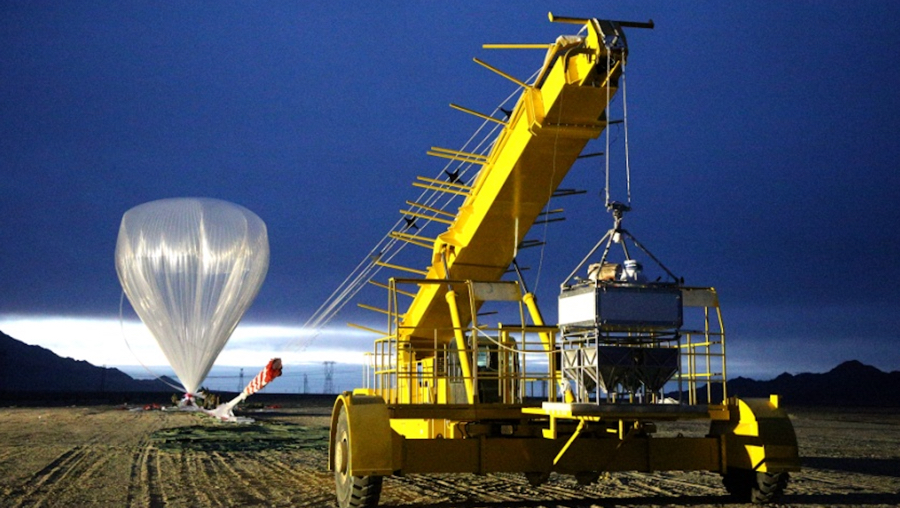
553,120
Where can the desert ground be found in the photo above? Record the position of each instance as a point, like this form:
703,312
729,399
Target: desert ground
110,456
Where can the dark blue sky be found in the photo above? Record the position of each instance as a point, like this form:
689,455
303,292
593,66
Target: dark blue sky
764,148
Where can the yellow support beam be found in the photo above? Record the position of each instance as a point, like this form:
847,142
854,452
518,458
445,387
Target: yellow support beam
610,74
366,329
413,239
479,115
567,19
468,155
498,71
578,429
376,309
516,46
402,268
430,209
548,339
456,157
427,217
385,286
441,189
434,181
461,346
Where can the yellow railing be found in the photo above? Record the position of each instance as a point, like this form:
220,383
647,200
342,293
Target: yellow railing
508,361
475,363
703,360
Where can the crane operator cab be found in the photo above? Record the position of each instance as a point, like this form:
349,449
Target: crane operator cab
494,369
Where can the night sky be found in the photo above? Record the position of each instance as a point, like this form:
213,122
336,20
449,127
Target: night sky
763,141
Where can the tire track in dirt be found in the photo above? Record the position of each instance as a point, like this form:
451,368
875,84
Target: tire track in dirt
432,489
8,455
197,471
318,485
512,488
564,488
174,479
71,470
415,489
143,482
664,485
679,483
822,477
247,488
150,471
454,489
497,487
175,483
47,474
134,478
212,476
848,481
556,487
285,470
303,473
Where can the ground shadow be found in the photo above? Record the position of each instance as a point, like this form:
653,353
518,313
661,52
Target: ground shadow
851,498
585,502
882,467
856,498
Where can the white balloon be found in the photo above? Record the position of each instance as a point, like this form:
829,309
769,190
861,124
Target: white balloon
191,267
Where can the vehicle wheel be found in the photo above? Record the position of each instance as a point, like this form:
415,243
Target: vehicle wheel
537,478
586,478
757,488
769,487
352,491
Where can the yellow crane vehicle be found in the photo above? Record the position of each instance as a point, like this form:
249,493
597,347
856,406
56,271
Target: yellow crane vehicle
448,390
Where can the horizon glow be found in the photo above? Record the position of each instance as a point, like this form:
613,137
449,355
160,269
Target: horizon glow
107,341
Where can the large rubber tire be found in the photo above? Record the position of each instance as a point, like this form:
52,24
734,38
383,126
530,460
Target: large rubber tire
751,486
352,491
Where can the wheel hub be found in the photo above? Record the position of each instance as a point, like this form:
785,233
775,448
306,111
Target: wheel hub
340,457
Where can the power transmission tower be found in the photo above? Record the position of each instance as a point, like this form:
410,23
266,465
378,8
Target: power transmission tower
329,378
305,383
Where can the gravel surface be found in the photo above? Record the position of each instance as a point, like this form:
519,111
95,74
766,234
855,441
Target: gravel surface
106,456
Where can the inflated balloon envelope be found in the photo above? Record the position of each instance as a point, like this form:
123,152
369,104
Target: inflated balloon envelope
191,267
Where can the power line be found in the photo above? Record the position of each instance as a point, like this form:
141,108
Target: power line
329,377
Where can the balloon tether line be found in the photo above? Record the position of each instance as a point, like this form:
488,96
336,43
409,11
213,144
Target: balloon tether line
125,338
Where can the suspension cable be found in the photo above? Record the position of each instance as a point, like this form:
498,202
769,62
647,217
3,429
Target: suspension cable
125,338
537,278
625,126
389,247
606,129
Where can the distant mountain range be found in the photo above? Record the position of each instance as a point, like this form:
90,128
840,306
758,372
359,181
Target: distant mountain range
25,368
851,383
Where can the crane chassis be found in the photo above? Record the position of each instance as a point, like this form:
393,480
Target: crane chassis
448,392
